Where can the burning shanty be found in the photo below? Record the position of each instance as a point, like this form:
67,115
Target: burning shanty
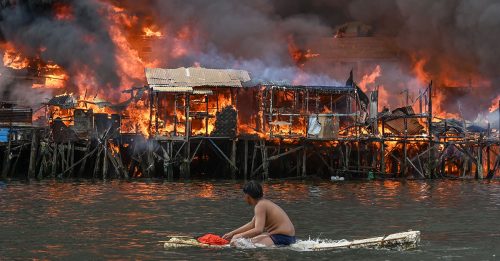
133,95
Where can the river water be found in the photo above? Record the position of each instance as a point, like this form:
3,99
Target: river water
459,220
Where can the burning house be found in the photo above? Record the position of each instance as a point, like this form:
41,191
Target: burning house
261,97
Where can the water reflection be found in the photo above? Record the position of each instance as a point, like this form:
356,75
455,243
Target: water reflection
125,220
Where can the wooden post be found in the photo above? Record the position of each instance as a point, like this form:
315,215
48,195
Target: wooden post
265,162
6,160
43,161
430,160
304,161
206,117
150,159
63,158
187,123
186,162
84,162
420,101
157,108
271,114
33,154
358,145
151,101
347,154
167,167
488,158
254,155
233,158
405,147
105,161
72,159
245,156
480,161
298,164
54,161
14,166
175,115
97,165
382,156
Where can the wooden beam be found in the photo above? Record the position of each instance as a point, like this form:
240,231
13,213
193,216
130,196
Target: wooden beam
285,153
222,154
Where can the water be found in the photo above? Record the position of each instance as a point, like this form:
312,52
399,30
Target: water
459,220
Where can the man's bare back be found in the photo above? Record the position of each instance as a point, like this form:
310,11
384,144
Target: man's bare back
276,220
270,224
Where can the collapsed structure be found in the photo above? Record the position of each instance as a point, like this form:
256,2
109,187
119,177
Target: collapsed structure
221,123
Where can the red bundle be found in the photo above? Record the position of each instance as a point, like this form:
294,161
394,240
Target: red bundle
212,239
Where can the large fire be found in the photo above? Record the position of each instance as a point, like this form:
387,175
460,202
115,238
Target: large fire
13,59
133,35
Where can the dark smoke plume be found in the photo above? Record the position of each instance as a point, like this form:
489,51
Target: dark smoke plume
254,35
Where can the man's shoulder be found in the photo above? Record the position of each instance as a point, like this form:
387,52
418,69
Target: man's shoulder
264,203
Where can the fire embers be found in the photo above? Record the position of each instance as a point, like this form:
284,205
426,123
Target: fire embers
226,122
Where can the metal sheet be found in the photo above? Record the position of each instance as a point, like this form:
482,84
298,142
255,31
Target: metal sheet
172,89
195,77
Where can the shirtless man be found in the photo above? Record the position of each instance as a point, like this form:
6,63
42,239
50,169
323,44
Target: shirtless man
270,224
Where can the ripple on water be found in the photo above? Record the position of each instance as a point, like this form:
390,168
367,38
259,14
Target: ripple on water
117,220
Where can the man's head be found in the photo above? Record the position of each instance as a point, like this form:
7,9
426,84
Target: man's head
253,192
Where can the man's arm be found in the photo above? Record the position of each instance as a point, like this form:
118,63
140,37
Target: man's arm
242,229
260,222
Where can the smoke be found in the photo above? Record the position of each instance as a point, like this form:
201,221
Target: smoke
20,92
456,38
81,42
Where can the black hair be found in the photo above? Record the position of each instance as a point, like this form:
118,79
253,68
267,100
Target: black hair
253,189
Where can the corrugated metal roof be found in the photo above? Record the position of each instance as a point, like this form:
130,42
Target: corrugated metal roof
195,77
172,89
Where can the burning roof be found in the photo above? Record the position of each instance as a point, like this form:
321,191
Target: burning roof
184,79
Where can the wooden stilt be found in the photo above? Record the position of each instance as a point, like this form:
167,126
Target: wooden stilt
84,162
488,158
105,161
43,161
265,162
54,161
6,159
298,164
254,155
304,161
72,159
14,166
150,159
33,154
167,166
480,162
233,158
245,156
97,165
